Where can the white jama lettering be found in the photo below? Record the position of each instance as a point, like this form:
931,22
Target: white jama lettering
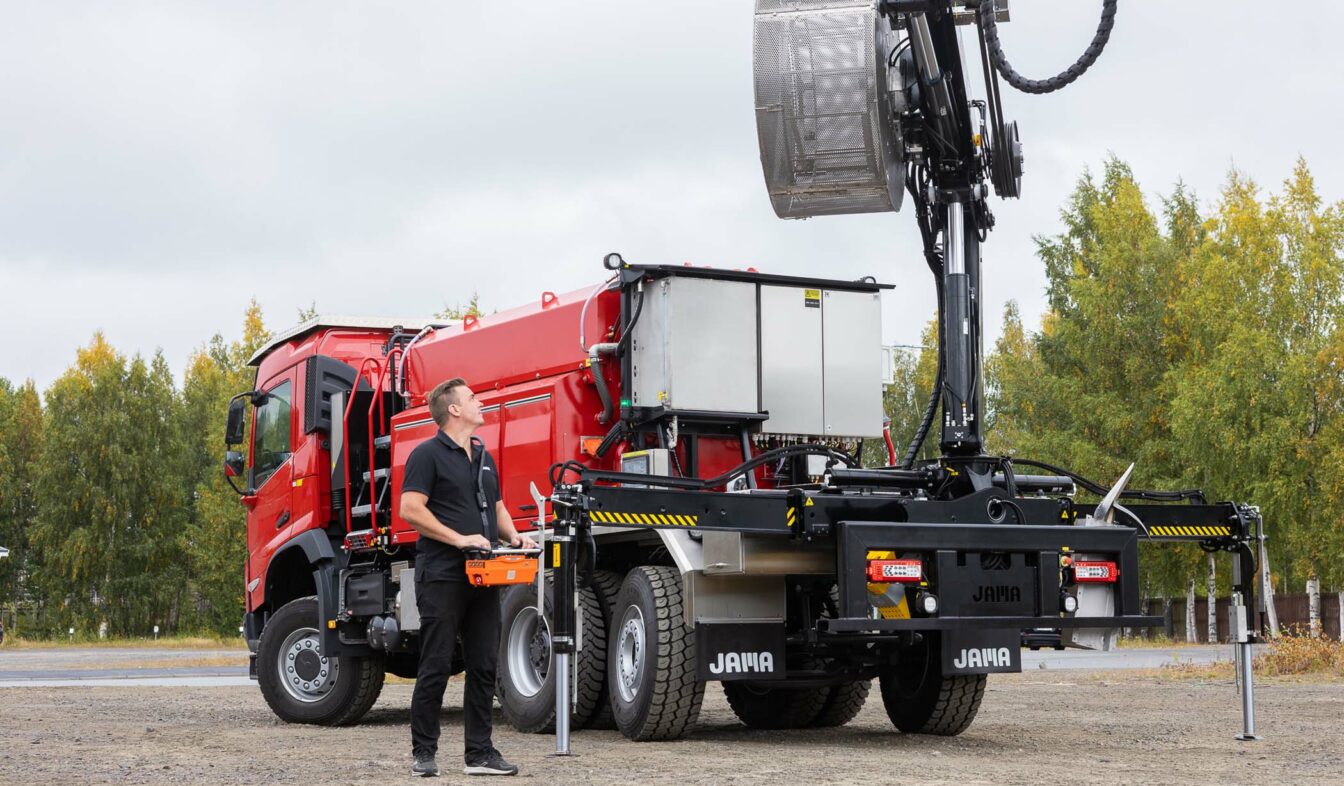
743,662
983,657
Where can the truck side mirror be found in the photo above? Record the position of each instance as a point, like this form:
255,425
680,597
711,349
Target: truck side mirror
237,422
234,463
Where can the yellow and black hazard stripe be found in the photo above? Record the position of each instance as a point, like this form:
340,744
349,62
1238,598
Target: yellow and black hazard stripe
794,511
1189,532
645,519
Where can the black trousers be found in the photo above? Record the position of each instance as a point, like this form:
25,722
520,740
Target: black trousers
448,608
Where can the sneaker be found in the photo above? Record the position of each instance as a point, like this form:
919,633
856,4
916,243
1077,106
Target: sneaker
425,767
490,764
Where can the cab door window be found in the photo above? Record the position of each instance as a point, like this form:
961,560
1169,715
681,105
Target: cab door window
270,436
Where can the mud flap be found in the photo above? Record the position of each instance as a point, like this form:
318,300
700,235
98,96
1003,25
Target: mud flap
982,651
740,651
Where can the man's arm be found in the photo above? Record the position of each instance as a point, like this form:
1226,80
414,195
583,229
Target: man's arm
416,513
509,533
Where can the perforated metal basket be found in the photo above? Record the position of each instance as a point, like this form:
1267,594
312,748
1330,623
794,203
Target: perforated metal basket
830,142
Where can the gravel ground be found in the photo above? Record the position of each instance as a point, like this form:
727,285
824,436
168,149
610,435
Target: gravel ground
1032,728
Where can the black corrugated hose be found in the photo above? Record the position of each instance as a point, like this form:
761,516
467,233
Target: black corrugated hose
991,27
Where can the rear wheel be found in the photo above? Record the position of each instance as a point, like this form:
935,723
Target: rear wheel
919,699
764,706
303,686
655,692
606,585
842,704
526,688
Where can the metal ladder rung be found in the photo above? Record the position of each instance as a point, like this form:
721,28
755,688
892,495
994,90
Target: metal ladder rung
360,511
383,442
378,474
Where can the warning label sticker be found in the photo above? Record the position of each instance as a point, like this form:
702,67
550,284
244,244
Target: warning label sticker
812,298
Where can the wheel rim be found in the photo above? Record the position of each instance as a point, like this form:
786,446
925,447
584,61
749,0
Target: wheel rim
529,651
630,654
307,676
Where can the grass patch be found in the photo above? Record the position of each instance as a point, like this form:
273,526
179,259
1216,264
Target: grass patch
1298,652
1295,654
163,642
1164,642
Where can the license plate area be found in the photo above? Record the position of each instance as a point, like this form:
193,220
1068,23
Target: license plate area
987,583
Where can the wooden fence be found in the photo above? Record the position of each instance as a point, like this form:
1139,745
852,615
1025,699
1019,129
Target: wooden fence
1292,608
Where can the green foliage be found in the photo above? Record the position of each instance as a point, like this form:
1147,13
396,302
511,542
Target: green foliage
1206,350
114,507
903,401
20,439
109,506
214,539
472,308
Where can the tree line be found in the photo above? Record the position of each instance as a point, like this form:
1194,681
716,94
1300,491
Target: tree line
1204,345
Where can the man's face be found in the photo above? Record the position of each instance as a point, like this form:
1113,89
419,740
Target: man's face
467,407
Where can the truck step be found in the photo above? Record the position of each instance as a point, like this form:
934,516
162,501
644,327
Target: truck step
378,474
359,511
382,443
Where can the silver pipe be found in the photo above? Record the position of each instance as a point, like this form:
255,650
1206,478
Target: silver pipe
1241,634
561,704
954,240
540,502
1247,694
921,41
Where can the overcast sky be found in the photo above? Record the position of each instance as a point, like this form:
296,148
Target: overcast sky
163,163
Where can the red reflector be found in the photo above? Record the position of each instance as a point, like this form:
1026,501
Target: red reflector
1094,572
895,570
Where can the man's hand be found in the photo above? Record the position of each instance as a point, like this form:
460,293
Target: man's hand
474,543
521,541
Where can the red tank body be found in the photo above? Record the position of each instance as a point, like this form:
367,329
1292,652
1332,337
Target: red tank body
527,367
525,364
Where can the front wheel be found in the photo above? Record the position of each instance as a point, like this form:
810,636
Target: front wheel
526,687
303,686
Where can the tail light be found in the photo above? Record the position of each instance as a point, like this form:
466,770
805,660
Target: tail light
890,570
1094,572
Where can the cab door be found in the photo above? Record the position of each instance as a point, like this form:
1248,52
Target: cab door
271,474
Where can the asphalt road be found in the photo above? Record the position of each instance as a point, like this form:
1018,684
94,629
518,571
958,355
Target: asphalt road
110,667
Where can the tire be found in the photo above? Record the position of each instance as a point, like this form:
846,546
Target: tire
525,687
761,705
655,693
340,690
844,701
606,584
920,700
842,704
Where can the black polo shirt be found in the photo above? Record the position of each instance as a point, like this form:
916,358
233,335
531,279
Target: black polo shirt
440,469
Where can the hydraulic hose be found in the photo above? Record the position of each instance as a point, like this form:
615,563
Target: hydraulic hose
991,28
1101,491
600,381
935,262
624,341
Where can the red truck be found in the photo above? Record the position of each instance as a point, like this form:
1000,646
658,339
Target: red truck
714,421
339,404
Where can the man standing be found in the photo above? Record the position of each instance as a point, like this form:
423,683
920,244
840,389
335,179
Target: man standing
450,494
